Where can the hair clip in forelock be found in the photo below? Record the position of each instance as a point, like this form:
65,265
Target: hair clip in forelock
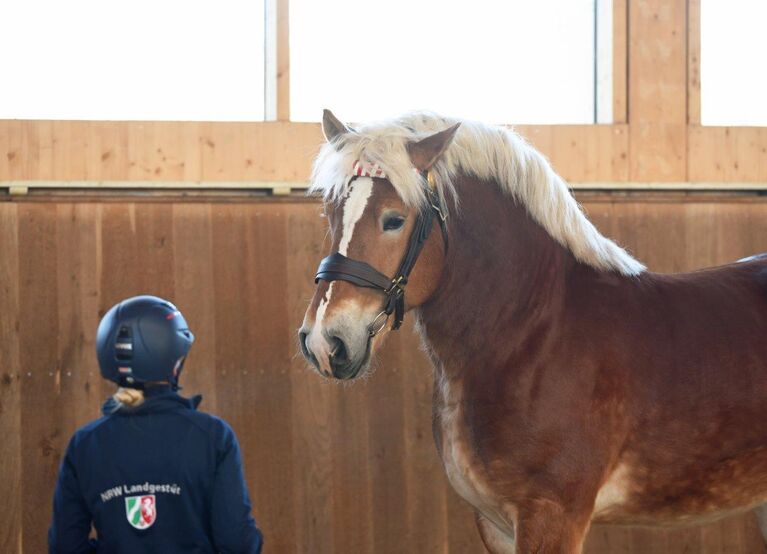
362,168
367,169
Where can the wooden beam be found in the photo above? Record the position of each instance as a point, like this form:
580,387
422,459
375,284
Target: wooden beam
693,62
279,188
657,90
215,189
620,61
10,384
277,61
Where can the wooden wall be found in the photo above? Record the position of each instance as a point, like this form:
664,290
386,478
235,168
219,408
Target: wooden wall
331,468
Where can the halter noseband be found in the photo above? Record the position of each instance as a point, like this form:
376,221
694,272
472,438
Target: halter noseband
339,267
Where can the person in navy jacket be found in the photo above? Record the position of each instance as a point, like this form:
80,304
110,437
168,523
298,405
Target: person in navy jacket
153,474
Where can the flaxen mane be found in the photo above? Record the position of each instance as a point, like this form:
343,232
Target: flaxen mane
488,152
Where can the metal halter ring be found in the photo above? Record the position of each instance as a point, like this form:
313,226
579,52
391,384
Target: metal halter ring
372,331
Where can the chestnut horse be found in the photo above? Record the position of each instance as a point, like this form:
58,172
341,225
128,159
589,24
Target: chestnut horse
571,385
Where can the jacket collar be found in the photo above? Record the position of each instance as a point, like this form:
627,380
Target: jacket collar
158,399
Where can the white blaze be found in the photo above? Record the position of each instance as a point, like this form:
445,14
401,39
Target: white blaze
354,206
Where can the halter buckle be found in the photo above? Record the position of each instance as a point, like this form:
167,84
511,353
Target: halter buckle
442,216
396,286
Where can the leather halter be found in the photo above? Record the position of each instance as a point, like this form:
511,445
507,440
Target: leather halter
339,267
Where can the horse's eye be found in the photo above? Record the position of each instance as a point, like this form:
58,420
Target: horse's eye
393,222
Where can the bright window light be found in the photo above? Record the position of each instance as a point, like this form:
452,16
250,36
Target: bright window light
137,60
515,61
733,58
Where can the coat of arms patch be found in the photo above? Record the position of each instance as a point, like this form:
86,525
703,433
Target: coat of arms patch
141,511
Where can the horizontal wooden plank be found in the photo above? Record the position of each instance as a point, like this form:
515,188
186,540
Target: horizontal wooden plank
169,151
282,188
726,154
583,152
273,187
282,152
158,151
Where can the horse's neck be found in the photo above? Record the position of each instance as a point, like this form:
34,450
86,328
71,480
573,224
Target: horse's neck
503,282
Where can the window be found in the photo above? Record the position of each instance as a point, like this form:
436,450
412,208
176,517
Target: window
733,57
515,61
138,59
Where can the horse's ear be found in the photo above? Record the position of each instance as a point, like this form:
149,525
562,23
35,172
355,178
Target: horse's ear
332,127
426,151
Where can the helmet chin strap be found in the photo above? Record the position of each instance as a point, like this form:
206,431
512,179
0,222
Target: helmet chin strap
173,383
128,383
177,373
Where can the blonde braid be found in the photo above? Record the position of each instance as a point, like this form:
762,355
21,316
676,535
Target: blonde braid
129,397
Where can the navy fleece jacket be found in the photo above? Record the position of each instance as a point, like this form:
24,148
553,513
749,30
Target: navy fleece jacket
160,478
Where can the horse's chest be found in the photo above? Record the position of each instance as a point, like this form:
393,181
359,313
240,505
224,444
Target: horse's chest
458,466
463,471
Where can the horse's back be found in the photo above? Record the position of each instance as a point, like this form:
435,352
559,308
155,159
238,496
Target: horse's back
753,268
696,357
755,257
744,280
716,317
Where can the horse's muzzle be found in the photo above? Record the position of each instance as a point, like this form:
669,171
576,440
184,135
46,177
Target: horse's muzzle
338,361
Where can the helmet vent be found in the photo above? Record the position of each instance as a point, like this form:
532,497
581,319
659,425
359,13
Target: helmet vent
124,344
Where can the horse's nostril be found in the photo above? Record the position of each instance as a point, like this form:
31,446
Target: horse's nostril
302,336
340,361
338,353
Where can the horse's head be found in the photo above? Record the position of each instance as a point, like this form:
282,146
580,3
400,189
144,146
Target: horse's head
375,237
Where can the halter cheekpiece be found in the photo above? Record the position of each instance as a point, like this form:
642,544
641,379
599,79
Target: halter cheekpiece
338,267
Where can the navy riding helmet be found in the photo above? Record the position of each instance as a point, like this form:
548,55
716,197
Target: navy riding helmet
143,339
